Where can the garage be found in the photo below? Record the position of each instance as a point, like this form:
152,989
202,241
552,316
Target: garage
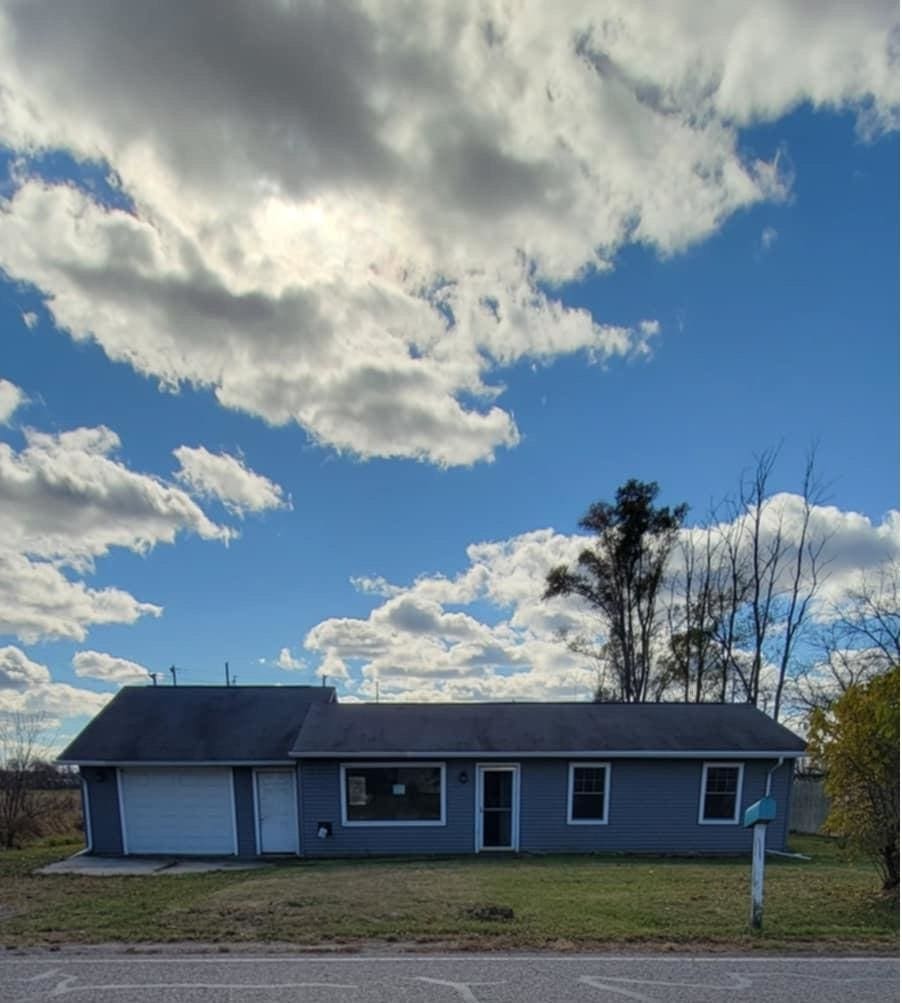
185,810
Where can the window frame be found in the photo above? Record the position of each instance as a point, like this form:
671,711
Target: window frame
737,806
571,775
391,823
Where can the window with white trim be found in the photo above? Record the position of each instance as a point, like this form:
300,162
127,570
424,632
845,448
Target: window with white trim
721,794
393,793
587,797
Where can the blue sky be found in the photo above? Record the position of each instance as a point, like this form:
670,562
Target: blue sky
753,309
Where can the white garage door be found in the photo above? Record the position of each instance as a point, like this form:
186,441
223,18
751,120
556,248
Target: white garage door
178,810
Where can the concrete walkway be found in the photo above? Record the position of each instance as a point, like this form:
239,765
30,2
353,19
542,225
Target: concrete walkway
86,863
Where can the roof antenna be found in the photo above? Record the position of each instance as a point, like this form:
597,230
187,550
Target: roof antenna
175,681
153,676
324,680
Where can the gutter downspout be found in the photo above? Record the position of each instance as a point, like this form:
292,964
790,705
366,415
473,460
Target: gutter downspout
770,774
781,853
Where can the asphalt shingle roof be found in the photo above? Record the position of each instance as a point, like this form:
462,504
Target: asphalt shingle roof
194,724
334,730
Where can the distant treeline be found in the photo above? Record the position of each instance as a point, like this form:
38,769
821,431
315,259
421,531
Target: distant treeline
40,776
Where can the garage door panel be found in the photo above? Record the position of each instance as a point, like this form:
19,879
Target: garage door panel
178,810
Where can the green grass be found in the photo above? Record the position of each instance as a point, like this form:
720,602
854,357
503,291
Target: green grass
563,902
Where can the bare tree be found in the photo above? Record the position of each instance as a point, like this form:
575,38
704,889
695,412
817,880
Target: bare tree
805,556
23,750
742,597
867,616
694,661
860,640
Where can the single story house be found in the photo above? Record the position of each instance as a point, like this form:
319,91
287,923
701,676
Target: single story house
257,770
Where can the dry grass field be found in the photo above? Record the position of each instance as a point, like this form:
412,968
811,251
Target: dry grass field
585,902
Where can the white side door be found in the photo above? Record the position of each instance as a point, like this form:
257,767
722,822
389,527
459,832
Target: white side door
277,815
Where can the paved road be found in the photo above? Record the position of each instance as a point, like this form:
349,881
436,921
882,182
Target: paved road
446,979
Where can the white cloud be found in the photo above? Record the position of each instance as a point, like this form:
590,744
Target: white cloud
332,668
108,668
66,497
18,671
26,687
419,649
769,237
855,548
218,475
30,319
288,662
350,216
11,399
38,601
375,585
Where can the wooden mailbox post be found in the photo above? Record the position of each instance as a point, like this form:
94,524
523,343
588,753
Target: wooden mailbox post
757,817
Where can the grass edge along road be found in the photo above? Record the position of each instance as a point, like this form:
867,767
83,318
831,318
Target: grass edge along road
831,902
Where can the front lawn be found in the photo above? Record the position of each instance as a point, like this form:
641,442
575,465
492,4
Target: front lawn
556,902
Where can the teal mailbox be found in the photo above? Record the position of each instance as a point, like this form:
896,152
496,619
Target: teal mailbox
761,811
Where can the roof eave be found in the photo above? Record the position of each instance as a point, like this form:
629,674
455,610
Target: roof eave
553,754
174,762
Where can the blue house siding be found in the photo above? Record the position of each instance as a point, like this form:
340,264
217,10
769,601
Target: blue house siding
243,781
320,787
653,809
103,809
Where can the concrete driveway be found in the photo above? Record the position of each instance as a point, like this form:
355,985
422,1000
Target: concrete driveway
98,866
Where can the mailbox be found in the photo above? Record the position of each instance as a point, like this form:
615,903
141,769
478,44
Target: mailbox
764,810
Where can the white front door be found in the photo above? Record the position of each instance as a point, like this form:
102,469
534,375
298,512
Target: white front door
497,807
277,819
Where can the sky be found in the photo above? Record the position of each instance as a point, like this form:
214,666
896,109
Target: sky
321,325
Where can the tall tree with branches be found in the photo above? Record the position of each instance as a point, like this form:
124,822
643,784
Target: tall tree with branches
693,663
620,578
771,564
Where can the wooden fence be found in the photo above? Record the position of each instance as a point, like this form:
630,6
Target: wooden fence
810,805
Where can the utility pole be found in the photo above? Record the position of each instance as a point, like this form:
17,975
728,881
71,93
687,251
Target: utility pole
153,676
175,681
377,691
227,674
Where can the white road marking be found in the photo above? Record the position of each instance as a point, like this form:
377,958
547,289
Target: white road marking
42,975
67,985
739,982
463,989
598,983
